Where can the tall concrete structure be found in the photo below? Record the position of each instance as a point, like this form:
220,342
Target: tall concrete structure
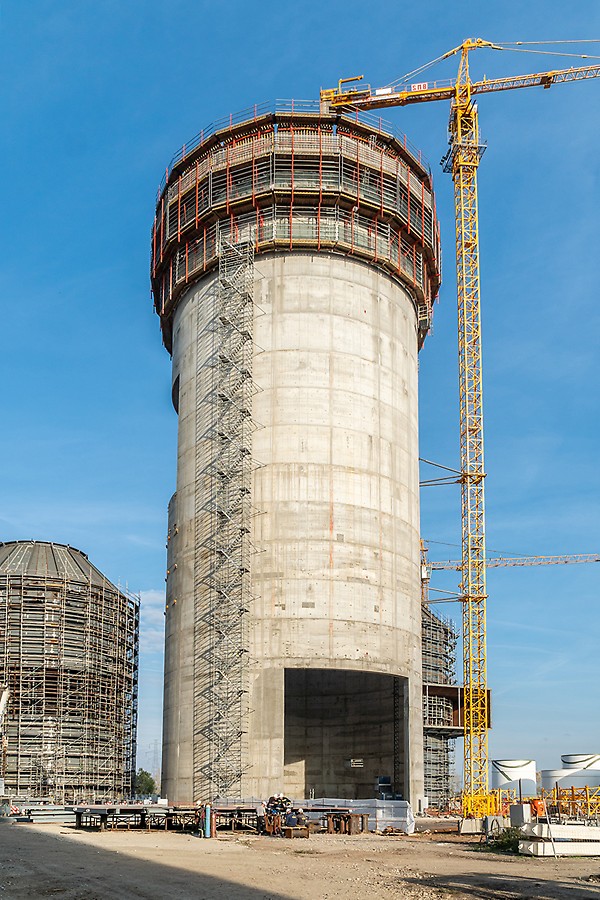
295,259
69,658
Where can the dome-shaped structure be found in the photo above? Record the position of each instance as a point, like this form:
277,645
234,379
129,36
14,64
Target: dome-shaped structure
47,560
68,657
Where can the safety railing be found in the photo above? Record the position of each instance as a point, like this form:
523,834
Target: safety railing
282,107
302,145
304,227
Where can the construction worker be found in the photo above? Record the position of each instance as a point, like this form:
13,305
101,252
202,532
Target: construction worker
302,820
291,820
261,814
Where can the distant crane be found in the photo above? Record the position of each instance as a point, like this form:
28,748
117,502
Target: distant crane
495,561
455,565
461,161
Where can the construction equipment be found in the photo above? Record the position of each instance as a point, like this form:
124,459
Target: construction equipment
496,561
461,161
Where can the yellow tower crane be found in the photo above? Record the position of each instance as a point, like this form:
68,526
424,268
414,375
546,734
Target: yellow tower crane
461,161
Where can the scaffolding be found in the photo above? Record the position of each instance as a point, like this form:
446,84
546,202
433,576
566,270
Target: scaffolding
439,766
439,640
292,180
224,467
571,803
69,655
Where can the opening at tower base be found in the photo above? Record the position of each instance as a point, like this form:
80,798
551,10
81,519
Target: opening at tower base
344,733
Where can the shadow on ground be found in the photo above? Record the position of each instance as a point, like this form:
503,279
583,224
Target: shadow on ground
514,887
35,866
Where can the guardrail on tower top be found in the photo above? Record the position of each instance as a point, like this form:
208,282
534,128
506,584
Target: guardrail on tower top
377,123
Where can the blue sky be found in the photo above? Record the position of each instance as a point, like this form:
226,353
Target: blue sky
98,96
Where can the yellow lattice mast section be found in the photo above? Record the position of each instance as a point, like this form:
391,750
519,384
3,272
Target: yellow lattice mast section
462,161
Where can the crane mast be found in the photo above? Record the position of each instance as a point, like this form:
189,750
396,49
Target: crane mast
462,161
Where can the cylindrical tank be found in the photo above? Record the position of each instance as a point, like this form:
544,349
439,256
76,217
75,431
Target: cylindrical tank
515,773
68,656
295,261
566,778
581,760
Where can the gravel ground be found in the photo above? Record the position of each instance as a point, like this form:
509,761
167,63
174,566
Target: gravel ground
40,861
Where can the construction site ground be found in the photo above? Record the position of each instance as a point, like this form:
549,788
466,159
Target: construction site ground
38,861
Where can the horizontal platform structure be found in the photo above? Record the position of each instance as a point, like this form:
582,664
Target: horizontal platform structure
241,815
368,121
297,181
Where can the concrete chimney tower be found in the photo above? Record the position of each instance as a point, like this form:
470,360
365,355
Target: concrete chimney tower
295,259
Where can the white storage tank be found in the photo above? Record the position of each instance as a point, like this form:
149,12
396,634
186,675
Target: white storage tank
515,774
581,761
566,778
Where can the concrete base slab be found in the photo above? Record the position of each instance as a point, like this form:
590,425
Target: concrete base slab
563,832
520,814
560,848
493,825
470,826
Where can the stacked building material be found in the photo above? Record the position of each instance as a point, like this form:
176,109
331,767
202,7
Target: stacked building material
41,815
545,839
383,814
396,814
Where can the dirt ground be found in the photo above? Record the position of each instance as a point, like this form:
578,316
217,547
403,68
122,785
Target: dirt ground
40,861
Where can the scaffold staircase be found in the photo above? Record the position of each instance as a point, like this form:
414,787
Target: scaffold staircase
224,467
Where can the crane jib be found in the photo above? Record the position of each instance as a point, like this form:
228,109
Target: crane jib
424,92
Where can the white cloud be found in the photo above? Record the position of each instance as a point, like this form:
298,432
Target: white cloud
152,621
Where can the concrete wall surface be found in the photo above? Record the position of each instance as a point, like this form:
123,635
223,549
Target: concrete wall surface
335,576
